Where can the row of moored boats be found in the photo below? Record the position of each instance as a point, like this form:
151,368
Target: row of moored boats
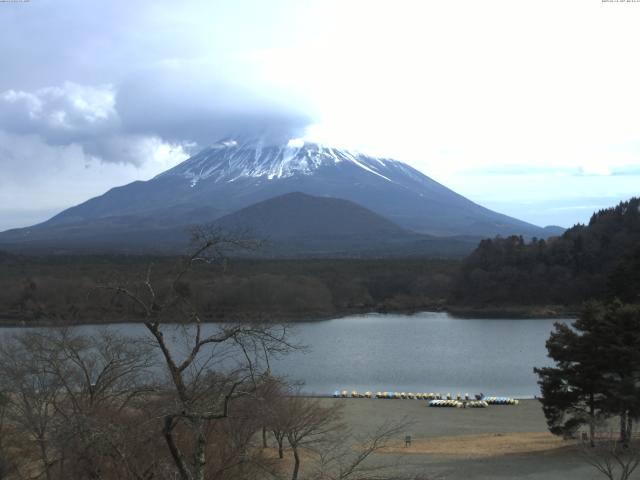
435,399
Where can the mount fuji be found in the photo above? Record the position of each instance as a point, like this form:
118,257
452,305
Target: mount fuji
236,173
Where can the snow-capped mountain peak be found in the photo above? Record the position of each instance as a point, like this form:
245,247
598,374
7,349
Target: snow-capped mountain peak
231,159
235,173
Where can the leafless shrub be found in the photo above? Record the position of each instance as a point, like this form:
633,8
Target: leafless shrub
612,457
69,394
348,457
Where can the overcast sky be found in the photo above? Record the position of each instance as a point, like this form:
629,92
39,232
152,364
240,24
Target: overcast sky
531,108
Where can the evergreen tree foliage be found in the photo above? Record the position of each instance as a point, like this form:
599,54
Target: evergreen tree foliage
597,371
600,260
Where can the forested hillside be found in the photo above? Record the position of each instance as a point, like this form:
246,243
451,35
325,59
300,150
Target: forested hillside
598,260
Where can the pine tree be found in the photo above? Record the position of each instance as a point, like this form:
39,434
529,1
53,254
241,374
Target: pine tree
572,392
597,372
619,331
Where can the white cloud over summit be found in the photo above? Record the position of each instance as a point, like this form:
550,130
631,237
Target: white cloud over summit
66,111
74,115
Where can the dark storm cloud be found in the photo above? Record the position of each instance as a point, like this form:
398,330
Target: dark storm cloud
71,114
49,42
191,102
108,75
187,107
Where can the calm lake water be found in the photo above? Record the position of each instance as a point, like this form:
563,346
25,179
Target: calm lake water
425,352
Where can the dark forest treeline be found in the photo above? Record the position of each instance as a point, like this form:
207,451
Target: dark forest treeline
507,276
55,288
598,260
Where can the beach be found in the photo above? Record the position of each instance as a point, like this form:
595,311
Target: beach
479,443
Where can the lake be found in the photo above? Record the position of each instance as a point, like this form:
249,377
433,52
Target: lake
425,352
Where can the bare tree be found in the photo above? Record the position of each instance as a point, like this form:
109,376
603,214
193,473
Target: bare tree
69,393
614,458
332,451
104,378
347,456
213,365
4,463
32,393
106,369
268,392
306,425
277,421
273,410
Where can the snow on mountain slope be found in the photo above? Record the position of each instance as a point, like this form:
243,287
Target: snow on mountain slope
230,160
238,172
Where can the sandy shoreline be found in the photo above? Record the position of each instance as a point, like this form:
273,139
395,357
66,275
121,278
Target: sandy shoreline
484,443
507,313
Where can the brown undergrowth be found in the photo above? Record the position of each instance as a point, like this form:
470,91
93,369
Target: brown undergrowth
485,445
